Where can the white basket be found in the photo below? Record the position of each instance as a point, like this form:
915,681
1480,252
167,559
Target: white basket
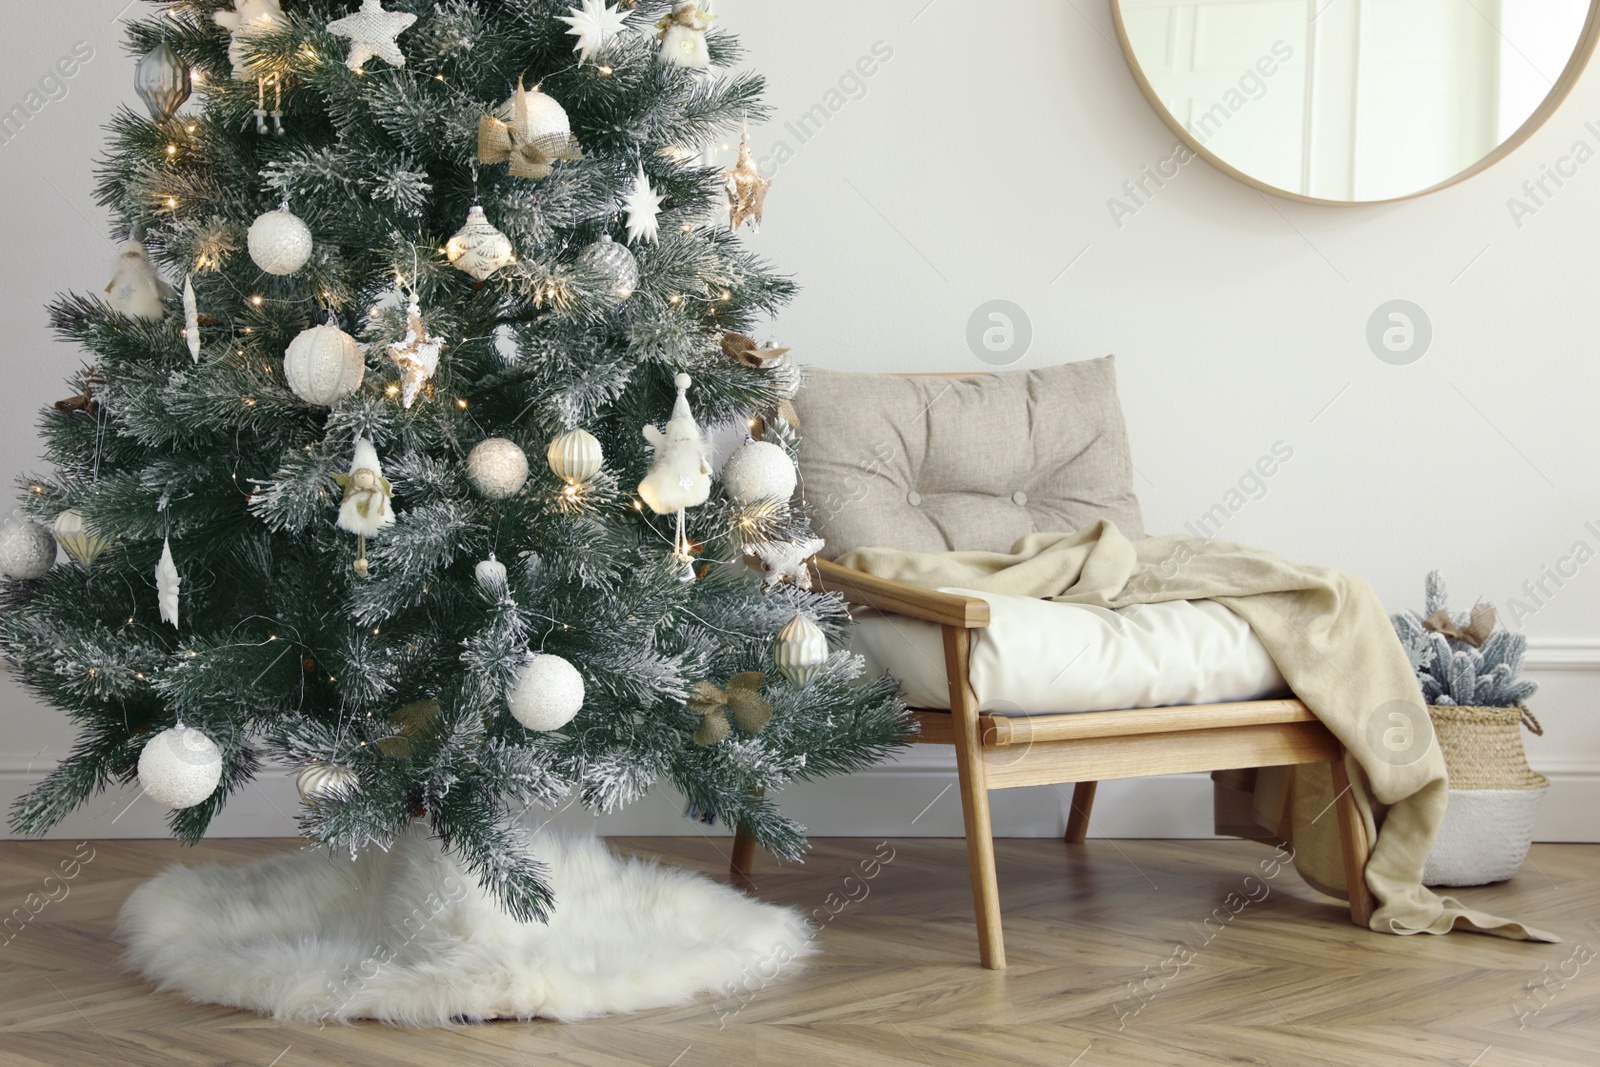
1484,836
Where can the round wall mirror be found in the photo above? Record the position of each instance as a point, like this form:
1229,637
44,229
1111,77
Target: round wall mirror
1355,101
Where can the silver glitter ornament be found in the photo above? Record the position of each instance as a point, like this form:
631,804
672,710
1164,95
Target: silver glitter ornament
615,264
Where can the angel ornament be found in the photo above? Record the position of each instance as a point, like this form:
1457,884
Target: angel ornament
136,289
680,473
683,37
365,508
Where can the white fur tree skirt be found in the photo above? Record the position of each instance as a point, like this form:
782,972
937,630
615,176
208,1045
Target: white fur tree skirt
408,937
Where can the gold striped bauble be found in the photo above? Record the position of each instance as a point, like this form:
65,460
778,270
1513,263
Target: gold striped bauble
326,781
800,651
575,456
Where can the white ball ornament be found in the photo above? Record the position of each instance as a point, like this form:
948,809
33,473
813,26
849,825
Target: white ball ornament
759,473
497,467
323,365
546,693
575,456
280,243
180,767
27,550
490,574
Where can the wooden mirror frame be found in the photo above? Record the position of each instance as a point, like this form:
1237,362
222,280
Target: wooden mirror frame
1564,84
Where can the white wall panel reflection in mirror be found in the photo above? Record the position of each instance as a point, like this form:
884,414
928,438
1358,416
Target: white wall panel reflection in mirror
1354,100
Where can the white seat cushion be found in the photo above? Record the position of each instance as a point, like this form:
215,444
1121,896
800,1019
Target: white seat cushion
1041,657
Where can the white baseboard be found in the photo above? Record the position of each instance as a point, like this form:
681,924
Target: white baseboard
914,796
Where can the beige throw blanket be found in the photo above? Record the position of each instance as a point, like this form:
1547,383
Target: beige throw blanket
1333,643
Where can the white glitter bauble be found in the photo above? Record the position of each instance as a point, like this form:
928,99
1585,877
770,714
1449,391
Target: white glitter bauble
497,467
759,473
180,767
575,456
324,364
27,550
326,781
615,264
279,242
801,650
478,248
546,693
72,534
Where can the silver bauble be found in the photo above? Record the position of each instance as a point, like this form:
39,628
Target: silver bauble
180,767
497,467
801,650
614,263
324,364
478,248
162,81
759,473
326,781
575,456
27,550
546,693
280,242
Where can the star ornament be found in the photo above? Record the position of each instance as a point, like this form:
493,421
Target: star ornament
643,205
595,24
372,32
416,355
747,189
786,561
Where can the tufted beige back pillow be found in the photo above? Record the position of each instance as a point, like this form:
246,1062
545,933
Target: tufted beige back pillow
936,464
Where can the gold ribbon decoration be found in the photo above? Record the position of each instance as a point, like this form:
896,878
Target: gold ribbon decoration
742,698
500,141
1477,630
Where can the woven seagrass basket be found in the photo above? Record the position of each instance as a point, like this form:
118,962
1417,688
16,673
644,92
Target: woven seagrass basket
1494,795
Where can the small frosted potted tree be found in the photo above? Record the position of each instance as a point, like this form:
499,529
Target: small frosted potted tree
1468,667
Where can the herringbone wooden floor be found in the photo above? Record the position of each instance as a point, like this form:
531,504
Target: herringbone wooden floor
1286,981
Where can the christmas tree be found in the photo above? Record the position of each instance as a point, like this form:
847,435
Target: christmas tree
411,247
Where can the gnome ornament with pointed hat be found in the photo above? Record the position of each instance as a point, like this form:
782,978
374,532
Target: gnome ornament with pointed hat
680,473
365,509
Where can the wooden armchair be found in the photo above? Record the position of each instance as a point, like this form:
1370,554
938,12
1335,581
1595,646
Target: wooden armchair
1084,747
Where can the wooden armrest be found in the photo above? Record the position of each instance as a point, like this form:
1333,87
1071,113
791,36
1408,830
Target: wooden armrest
898,598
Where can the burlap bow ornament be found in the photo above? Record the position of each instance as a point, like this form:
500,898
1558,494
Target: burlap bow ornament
742,698
1479,626
745,350
411,722
529,156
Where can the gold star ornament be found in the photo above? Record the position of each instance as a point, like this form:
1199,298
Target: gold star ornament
416,355
747,189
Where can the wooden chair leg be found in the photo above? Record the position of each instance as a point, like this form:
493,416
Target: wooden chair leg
974,799
1078,817
1354,846
744,859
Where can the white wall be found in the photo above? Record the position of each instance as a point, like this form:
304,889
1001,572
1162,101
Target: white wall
978,164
